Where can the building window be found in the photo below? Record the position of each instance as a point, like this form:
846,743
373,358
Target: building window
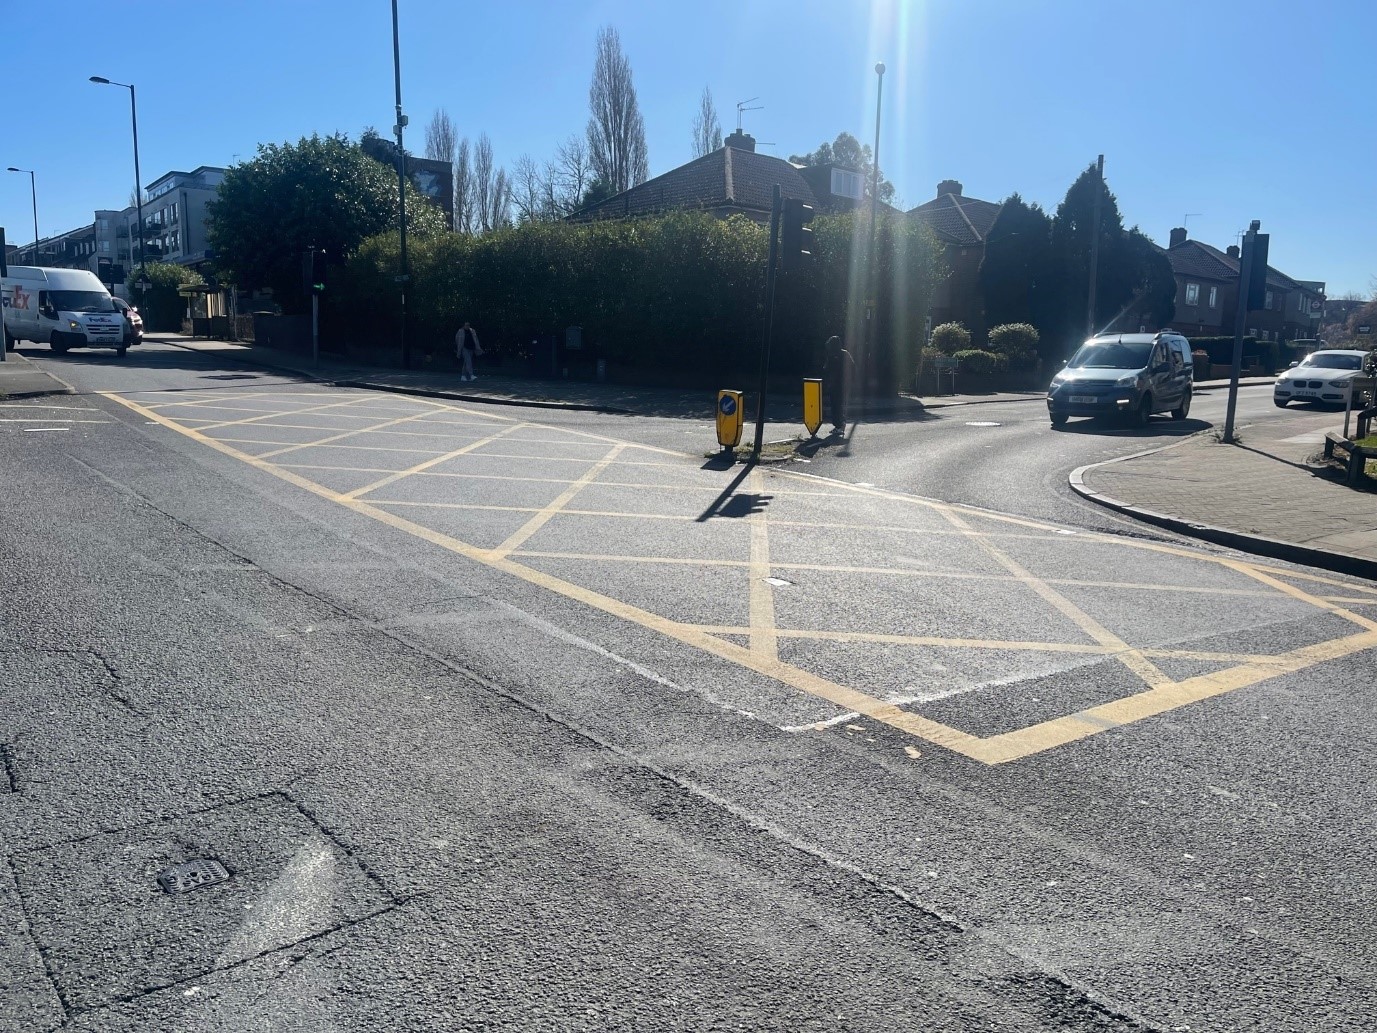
172,211
1214,296
105,246
1268,305
1192,294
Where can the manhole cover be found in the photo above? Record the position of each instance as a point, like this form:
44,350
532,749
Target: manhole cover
190,875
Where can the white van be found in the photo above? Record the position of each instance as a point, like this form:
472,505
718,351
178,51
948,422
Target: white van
62,308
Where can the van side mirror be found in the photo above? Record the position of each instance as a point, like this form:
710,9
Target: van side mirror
1293,365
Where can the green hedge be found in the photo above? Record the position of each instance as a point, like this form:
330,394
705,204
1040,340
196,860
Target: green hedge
161,306
976,360
1017,343
678,297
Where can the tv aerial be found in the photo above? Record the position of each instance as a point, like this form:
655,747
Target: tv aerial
741,107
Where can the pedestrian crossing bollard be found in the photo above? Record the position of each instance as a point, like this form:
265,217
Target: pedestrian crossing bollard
812,405
729,419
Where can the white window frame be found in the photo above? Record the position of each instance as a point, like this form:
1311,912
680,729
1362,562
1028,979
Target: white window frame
1214,297
1268,299
1192,294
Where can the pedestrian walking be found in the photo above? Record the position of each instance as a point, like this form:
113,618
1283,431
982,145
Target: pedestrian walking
837,368
466,346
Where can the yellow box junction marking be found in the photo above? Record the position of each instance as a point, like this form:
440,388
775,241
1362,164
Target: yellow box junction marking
761,656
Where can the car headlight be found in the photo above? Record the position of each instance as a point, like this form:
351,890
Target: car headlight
1128,381
73,324
1059,379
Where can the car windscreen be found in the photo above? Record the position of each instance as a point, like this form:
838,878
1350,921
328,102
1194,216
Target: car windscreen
1333,360
1111,355
81,301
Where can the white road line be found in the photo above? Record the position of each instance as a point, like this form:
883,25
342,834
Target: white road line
35,430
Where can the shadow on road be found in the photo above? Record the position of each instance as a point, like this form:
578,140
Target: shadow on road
730,504
1156,427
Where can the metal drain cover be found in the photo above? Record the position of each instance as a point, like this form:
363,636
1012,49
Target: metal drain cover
190,875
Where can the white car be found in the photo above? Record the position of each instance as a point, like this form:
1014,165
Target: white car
1321,376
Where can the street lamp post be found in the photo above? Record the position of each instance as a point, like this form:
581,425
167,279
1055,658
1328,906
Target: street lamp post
869,352
138,177
401,181
33,193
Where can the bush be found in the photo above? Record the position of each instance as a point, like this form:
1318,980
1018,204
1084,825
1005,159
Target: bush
978,361
950,338
1017,343
161,306
1221,349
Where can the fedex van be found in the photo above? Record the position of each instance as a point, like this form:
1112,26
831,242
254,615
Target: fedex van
62,308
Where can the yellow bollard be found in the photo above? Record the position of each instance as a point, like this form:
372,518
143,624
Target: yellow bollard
729,418
812,405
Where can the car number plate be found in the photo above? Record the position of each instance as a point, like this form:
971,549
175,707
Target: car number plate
1084,399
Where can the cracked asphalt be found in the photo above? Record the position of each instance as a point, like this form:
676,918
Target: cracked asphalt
519,741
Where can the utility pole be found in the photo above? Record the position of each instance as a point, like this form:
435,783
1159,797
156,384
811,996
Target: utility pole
1245,280
405,277
770,277
1094,249
868,350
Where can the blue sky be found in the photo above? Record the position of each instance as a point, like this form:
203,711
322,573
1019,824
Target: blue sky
1233,109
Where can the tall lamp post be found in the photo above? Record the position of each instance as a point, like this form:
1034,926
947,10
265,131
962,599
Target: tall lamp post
874,212
33,192
402,120
138,177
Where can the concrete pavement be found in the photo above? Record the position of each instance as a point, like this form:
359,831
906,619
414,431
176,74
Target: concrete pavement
20,378
1269,494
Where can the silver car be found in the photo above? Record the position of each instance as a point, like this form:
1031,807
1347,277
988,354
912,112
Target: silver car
1128,376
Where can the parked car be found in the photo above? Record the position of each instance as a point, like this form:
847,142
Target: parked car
1130,376
133,322
1321,376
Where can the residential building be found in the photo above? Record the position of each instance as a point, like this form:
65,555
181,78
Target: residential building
176,215
1207,295
735,179
961,224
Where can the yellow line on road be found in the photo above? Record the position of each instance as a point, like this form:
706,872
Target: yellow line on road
1302,595
420,467
528,529
279,414
1131,658
761,595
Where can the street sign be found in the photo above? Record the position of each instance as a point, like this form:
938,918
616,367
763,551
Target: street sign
729,418
812,405
1365,329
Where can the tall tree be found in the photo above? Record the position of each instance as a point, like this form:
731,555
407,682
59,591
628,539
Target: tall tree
442,137
531,192
616,128
492,190
463,187
707,127
321,192
568,175
1014,268
848,151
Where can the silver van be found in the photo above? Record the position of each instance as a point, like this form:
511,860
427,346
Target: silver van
1125,376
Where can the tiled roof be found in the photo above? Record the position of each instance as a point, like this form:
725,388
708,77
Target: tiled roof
956,219
1196,258
727,177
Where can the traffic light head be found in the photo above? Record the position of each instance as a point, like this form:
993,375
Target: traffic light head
796,236
313,271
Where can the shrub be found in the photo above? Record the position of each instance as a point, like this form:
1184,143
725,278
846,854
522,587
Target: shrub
978,361
162,306
1017,343
950,338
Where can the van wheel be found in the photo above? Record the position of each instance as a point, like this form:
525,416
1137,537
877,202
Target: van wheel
58,348
11,342
120,351
1144,410
1059,419
1183,410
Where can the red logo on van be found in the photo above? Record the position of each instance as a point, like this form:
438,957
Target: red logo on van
19,298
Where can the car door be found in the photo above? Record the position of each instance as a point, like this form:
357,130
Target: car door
1180,374
1159,377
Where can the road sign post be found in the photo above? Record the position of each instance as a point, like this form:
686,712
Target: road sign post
770,277
730,417
1252,282
812,405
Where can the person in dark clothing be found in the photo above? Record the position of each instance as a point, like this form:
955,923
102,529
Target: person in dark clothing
837,368
466,346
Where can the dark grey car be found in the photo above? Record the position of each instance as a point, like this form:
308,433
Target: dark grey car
1124,376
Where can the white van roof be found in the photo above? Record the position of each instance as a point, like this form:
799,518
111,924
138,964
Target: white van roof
58,279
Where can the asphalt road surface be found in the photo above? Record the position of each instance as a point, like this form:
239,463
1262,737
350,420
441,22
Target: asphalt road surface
503,718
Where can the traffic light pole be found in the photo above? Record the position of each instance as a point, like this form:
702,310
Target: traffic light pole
315,329
1245,279
770,277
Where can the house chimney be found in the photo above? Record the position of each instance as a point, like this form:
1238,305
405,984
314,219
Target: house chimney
1178,236
741,141
949,186
1232,251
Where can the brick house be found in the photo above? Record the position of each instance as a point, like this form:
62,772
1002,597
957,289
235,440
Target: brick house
1207,295
961,224
734,180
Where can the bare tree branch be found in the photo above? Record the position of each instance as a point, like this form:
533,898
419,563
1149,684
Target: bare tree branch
707,127
463,187
616,128
568,176
442,137
530,193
